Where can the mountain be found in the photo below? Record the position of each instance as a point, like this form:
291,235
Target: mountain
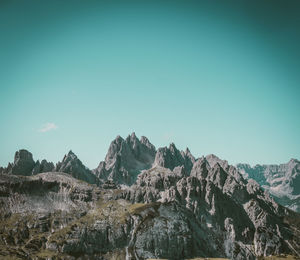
172,206
25,165
73,166
125,159
170,157
164,214
281,181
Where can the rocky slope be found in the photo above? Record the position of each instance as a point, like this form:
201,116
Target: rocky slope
177,207
165,214
282,181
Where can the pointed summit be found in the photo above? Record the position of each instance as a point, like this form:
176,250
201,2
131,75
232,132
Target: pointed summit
133,136
70,153
213,159
72,165
200,168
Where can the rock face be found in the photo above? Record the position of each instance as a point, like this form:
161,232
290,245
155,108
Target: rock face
225,215
73,166
125,159
165,214
23,164
282,181
43,166
176,208
170,157
26,166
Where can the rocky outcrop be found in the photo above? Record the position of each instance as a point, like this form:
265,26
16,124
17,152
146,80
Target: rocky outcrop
281,181
226,211
176,208
73,166
125,159
23,164
42,166
170,157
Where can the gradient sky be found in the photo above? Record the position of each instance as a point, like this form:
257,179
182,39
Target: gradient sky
220,78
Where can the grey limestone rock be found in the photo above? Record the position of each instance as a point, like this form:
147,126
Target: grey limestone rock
73,166
23,164
125,159
281,181
170,157
175,208
42,166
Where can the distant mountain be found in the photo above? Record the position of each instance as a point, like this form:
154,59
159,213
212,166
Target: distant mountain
281,181
25,165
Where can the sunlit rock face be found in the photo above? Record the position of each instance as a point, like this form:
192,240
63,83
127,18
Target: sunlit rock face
281,181
170,157
125,159
141,203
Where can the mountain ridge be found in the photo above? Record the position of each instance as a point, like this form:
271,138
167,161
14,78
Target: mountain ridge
141,203
126,158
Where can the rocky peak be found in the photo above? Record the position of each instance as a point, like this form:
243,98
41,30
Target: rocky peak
218,175
144,140
73,166
170,157
23,163
125,159
42,166
200,168
23,155
213,159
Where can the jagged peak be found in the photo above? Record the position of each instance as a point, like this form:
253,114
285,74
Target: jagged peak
133,136
293,160
187,151
202,160
118,139
71,153
144,139
172,147
23,154
212,156
69,156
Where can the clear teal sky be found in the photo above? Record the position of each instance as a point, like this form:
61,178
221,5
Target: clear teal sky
218,78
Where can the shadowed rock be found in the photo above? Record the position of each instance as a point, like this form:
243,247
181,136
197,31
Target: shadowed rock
73,166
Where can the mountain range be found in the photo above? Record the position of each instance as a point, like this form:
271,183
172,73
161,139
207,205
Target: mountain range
142,202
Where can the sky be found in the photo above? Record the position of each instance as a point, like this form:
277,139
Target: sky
218,77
